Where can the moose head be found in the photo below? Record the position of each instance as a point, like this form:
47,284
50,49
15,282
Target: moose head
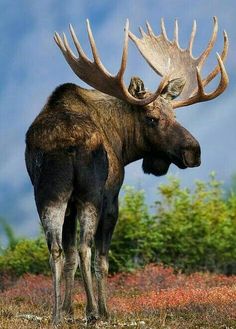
166,141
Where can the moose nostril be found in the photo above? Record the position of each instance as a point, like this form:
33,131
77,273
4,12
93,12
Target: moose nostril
194,147
192,156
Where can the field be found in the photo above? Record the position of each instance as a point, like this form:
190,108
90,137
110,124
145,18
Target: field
154,297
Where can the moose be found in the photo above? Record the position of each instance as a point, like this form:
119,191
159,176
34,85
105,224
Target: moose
78,146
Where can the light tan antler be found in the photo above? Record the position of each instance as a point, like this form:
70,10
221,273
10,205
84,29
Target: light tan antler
158,50
96,75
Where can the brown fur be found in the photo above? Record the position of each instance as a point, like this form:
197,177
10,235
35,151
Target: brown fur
77,116
61,124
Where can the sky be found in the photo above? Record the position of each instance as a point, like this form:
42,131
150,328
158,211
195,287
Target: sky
32,66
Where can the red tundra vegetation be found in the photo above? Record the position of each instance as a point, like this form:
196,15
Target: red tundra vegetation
153,297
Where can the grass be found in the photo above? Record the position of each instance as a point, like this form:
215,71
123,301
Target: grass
154,297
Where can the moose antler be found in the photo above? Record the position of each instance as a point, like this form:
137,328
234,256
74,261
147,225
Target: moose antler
158,49
96,75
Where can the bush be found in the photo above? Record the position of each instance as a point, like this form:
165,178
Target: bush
198,229
136,237
27,256
189,230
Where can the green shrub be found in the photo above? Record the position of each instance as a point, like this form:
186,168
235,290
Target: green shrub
198,229
27,256
189,230
136,236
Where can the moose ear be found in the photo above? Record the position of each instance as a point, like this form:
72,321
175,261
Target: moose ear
173,89
136,87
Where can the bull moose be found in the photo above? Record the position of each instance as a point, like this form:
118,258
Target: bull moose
78,146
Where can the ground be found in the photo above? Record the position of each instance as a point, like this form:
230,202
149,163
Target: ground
154,297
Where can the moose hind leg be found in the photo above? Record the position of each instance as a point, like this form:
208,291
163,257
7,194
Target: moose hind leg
88,224
71,256
53,188
52,219
101,272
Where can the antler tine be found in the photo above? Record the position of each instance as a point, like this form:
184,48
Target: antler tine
176,33
76,42
93,46
143,34
68,49
125,52
59,42
150,31
163,29
199,83
211,43
223,55
193,33
224,81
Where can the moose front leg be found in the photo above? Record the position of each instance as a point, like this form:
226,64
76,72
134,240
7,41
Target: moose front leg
88,224
102,245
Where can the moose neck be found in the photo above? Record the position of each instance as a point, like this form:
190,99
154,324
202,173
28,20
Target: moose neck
121,127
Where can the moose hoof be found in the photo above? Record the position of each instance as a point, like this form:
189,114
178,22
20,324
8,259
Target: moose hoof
57,320
92,318
104,314
68,312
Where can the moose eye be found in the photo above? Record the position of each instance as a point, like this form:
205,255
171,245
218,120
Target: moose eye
152,122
